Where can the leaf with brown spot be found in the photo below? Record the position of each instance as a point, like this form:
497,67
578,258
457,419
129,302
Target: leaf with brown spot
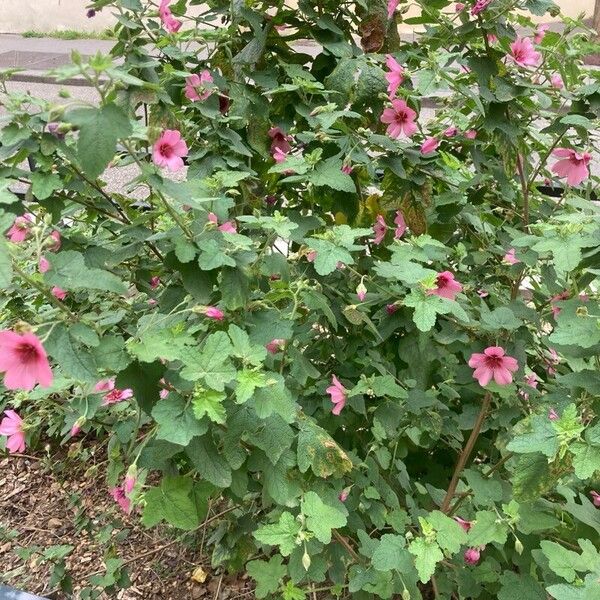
319,451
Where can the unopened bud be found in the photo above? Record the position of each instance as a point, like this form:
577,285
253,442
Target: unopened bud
405,594
518,545
306,561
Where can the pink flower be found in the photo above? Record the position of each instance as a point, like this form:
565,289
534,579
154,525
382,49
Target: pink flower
390,309
483,293
492,38
558,298
472,556
553,415
163,394
379,229
429,145
451,131
493,364
20,228
228,227
595,498
212,218
391,7
58,293
12,426
54,241
480,6
510,258
458,7
400,225
447,286
172,25
573,165
540,32
280,146
471,134
311,255
338,395
557,81
196,88
119,496
105,385
130,479
169,149
400,119
523,53
532,380
24,361
154,282
76,429
395,75
347,169
212,312
466,525
361,291
274,346
344,494
43,265
117,395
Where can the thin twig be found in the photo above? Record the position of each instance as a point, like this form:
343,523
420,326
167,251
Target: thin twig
464,455
346,545
219,587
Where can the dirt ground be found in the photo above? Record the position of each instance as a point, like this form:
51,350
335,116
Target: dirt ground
58,529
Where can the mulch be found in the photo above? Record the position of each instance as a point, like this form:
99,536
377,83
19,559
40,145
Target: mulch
55,501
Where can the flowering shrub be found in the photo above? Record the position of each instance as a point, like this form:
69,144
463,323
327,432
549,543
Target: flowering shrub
366,327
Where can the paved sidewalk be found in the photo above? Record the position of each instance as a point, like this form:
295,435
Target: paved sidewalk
38,55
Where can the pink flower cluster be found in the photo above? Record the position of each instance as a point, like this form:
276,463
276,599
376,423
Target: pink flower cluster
280,144
171,24
113,394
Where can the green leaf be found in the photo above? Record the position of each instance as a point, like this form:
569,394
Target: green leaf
283,534
328,256
542,438
321,518
291,592
449,534
426,306
267,575
275,399
176,421
213,256
44,184
487,528
209,403
501,318
586,460
208,461
531,477
99,130
212,363
575,329
154,343
171,502
247,381
320,452
74,360
520,587
6,271
329,173
427,554
234,288
565,563
589,591
242,348
6,196
391,553
69,272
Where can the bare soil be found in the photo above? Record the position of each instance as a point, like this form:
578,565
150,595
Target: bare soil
50,504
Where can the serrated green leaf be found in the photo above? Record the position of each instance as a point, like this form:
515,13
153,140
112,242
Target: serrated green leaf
267,575
209,403
171,502
427,555
321,518
283,534
176,421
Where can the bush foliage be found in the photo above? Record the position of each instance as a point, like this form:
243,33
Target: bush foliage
291,327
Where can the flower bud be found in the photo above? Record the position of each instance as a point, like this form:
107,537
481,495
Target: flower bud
306,561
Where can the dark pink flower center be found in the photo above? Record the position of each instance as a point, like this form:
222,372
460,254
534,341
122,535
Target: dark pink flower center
401,116
166,150
27,352
442,281
493,362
